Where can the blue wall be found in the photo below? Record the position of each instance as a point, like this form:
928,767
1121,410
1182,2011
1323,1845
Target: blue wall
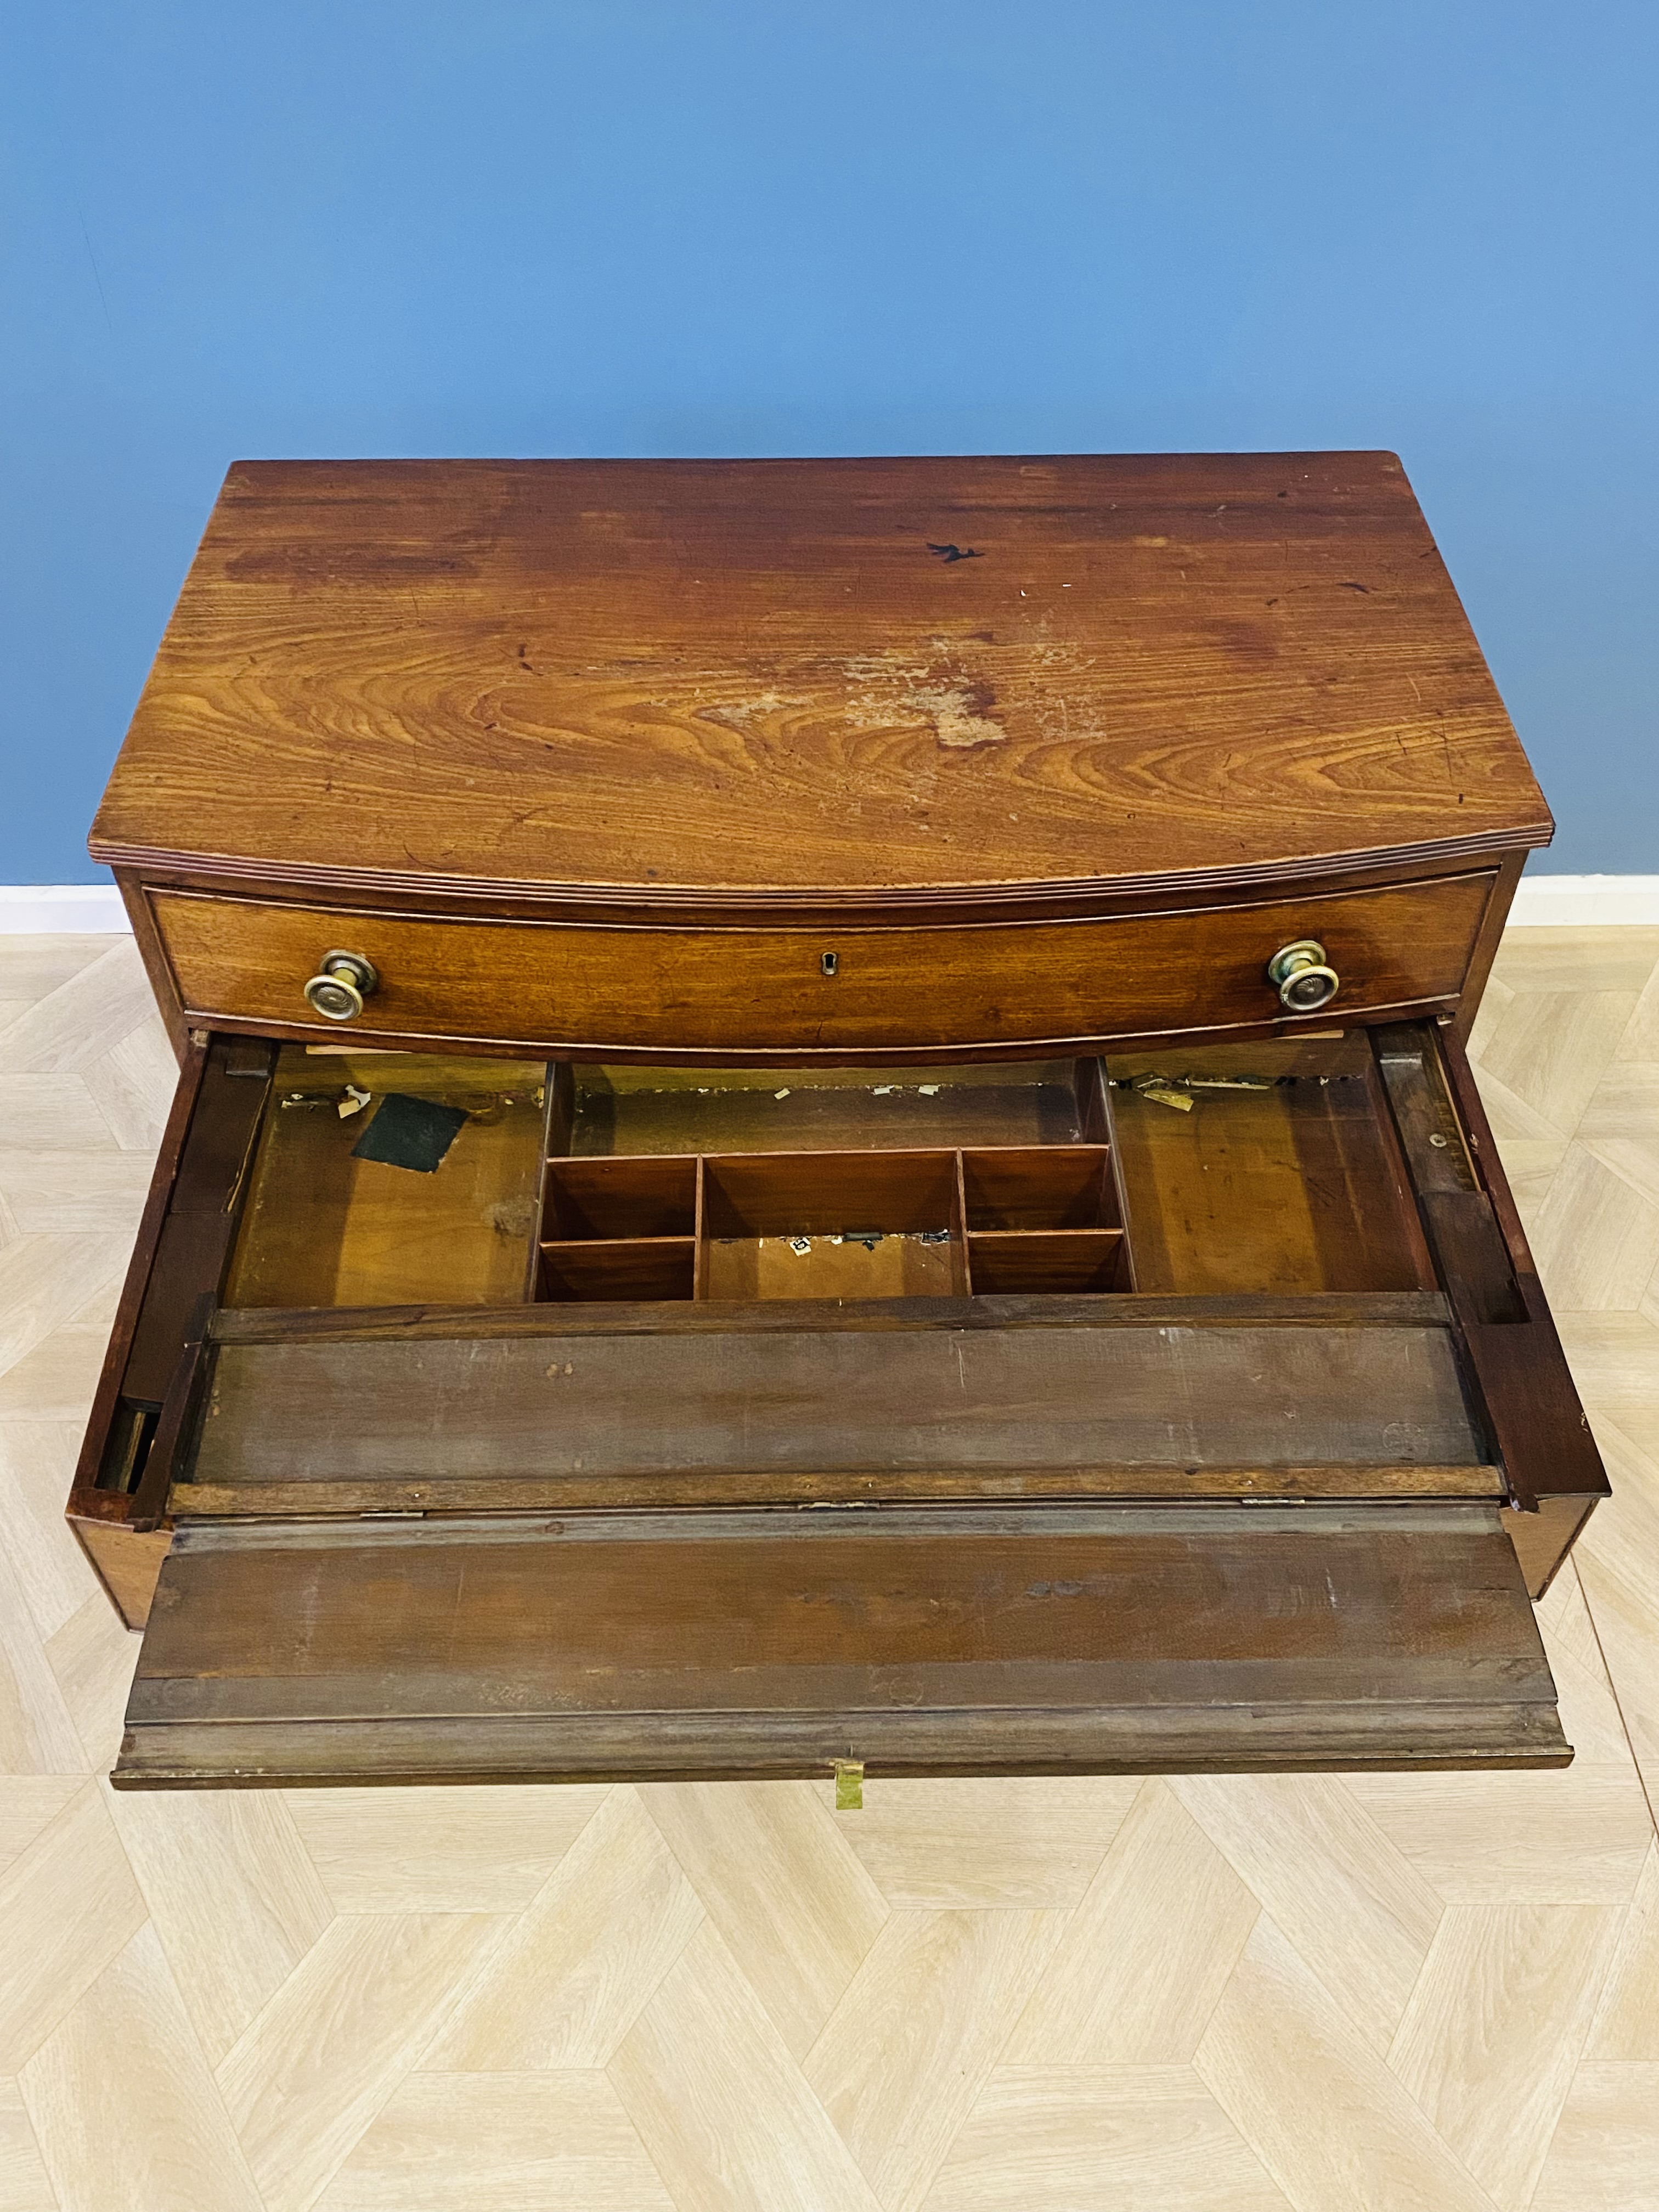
378,227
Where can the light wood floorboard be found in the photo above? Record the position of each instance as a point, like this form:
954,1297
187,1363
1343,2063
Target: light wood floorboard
68,1904
915,2038
1604,2155
1495,2028
234,1894
500,2143
25,2184
1142,1961
438,1851
573,1973
124,2106
1083,2139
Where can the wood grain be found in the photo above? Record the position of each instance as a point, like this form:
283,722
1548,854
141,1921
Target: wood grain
567,1983
1318,1864
37,1733
1145,1956
365,1324
781,1878
1531,1407
229,1883
438,1850
1495,2028
180,1251
643,677
313,2069
721,2104
1605,2149
36,1457
1087,2137
499,2142
1577,1837
68,1904
1292,1187
933,1846
759,996
25,2184
936,1992
578,1493
124,2107
320,1227
28,1803
830,1403
924,1642
1316,2103
1627,2025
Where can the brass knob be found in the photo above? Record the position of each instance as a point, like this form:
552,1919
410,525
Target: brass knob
1305,983
343,981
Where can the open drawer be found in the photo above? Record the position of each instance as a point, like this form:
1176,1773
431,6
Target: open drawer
509,1419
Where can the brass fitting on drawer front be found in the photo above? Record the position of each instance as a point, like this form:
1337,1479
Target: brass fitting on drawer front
343,981
1304,983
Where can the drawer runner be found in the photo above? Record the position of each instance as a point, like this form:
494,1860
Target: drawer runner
962,1641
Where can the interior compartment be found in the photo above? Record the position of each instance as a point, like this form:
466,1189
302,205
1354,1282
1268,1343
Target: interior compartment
848,1225
832,1225
1268,1167
620,1198
821,1110
1074,1260
1047,1187
320,1227
592,1184
620,1268
1349,1165
843,1184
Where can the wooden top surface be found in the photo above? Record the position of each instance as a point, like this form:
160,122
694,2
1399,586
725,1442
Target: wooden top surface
753,685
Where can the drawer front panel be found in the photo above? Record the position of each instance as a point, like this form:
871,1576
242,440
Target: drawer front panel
675,1645
772,994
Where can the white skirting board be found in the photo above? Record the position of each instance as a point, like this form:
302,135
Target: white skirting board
1541,903
1573,902
73,909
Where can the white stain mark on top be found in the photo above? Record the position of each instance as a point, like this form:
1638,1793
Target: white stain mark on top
954,713
895,687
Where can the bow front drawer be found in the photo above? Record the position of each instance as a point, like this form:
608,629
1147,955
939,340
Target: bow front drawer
770,994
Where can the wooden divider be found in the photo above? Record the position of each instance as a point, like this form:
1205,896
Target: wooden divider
932,1223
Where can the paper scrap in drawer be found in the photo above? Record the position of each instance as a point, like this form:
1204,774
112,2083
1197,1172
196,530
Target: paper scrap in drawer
410,1133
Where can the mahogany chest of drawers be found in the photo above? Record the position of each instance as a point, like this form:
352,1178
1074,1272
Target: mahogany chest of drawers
823,1118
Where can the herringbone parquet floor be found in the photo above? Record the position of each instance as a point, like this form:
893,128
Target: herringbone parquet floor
1414,1994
